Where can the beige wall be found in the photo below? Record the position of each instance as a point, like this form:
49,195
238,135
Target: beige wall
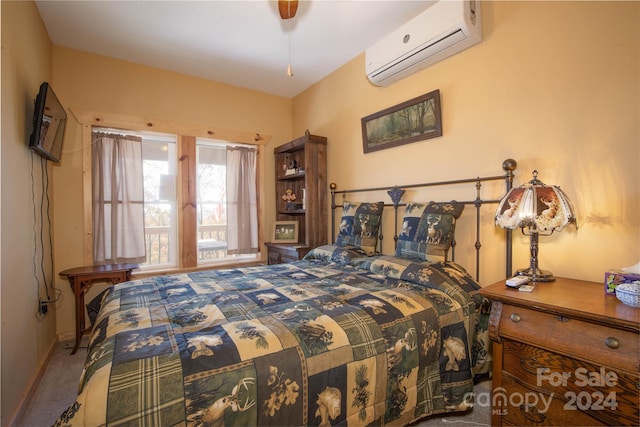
553,85
26,340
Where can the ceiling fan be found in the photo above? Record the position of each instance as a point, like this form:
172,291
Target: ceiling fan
287,8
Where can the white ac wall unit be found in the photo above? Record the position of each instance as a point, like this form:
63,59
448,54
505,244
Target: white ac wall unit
444,29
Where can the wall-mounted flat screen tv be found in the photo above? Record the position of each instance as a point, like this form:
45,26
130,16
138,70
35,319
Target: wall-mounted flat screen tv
49,119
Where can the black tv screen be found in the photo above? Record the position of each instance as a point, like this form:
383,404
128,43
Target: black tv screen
49,119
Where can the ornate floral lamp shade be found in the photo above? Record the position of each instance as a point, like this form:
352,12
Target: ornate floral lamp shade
536,209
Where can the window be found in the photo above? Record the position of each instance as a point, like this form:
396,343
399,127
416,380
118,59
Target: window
159,158
212,204
211,172
168,206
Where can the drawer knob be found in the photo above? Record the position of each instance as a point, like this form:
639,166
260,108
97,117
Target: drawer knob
515,317
612,342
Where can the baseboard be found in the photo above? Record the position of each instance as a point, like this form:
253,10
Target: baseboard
67,336
28,395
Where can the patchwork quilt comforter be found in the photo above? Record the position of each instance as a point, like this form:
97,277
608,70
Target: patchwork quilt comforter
334,339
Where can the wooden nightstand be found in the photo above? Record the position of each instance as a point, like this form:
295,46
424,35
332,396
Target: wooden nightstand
81,279
278,253
565,354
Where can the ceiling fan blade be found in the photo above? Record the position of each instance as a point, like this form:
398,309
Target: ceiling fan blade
287,8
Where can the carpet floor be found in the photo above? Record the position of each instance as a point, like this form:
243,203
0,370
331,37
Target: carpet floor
59,386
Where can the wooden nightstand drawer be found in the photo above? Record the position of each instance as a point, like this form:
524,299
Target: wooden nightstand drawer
278,253
583,386
597,343
274,257
522,406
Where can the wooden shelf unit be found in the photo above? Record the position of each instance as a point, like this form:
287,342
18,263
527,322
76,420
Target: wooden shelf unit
309,153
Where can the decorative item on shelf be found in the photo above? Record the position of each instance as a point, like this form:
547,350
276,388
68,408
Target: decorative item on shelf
629,293
285,232
304,199
289,198
540,209
292,168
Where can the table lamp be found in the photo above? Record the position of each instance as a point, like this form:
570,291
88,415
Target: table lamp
536,209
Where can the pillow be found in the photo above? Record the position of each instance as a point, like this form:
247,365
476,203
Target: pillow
427,230
333,253
360,225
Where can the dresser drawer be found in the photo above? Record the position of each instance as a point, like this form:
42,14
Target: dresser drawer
283,253
593,342
602,392
274,257
522,406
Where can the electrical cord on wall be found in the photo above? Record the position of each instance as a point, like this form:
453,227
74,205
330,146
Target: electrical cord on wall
35,234
44,173
44,197
50,228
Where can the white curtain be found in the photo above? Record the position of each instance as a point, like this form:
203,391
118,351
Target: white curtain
118,199
242,204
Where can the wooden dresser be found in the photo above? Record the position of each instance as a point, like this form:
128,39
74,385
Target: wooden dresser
565,354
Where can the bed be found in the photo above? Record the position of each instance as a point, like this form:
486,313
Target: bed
346,336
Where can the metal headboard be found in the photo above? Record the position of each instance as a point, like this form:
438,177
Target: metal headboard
396,192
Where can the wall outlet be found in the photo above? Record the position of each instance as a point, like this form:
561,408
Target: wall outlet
43,307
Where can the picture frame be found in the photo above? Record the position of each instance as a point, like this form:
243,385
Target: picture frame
285,232
414,120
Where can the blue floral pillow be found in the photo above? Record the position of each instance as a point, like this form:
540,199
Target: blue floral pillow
428,229
360,225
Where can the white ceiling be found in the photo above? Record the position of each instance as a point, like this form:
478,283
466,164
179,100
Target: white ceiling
238,42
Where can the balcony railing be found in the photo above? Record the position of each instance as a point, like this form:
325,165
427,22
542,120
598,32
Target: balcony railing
212,243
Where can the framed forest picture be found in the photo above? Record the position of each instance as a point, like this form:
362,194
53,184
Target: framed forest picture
414,120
